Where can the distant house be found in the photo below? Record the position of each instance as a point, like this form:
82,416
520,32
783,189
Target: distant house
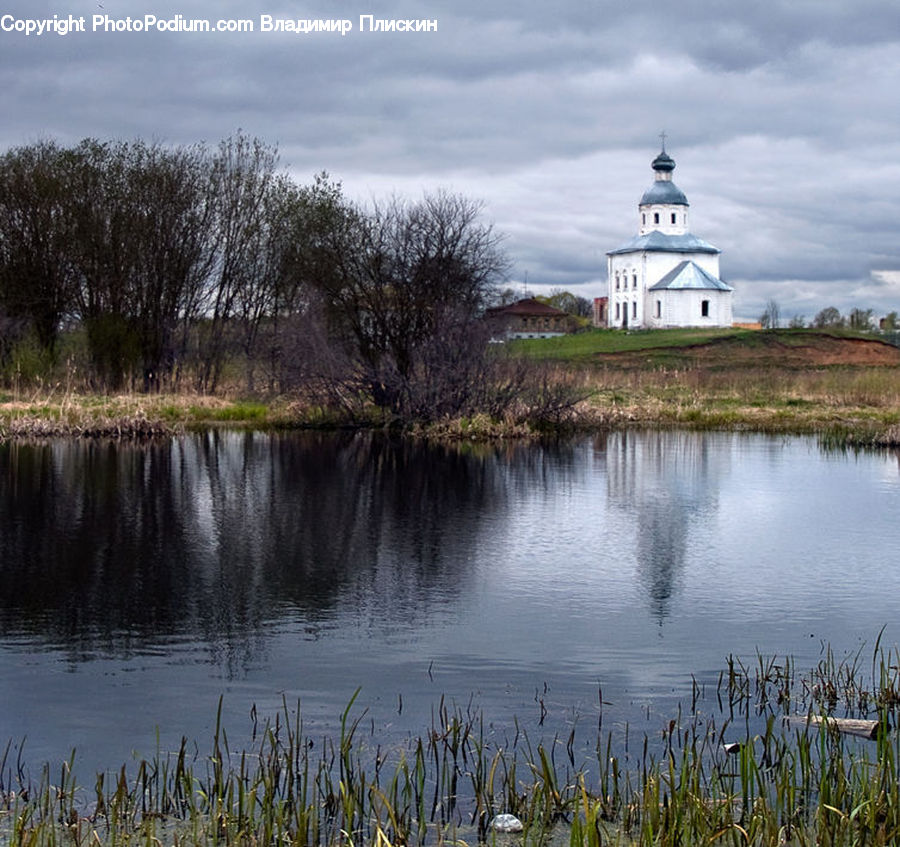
528,318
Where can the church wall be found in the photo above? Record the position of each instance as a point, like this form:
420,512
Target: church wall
685,308
665,224
630,294
649,267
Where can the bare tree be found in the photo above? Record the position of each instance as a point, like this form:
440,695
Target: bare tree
566,301
35,268
771,317
173,230
242,180
166,253
506,296
308,227
104,255
395,281
828,317
141,249
861,319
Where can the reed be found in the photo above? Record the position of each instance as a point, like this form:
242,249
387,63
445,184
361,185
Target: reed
846,405
747,764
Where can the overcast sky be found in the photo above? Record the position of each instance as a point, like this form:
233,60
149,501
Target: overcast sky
783,117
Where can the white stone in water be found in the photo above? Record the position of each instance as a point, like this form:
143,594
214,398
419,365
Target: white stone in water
506,823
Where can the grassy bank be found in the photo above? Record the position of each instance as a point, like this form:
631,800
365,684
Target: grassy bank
858,405
46,414
842,387
756,767
853,406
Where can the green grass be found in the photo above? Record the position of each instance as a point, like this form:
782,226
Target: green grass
585,344
45,414
582,346
240,412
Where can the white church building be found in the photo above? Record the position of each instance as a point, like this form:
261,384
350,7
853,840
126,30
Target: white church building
665,276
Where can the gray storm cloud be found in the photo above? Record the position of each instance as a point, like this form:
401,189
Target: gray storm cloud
781,117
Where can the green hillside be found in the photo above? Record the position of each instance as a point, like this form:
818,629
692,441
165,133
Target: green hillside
664,345
586,344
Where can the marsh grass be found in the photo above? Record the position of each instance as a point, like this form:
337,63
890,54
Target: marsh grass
49,413
753,769
745,380
851,406
842,404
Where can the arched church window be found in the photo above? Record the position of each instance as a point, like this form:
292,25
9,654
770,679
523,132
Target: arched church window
673,217
617,281
634,280
659,308
644,218
634,309
656,217
704,308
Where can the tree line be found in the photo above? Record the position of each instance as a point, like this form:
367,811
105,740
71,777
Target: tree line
152,252
861,320
173,266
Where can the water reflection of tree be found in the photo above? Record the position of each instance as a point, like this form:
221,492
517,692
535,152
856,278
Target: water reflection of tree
666,486
112,548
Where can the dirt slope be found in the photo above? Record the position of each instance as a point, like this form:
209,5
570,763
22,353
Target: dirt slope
762,349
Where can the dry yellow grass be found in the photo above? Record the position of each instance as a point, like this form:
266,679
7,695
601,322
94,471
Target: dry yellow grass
858,404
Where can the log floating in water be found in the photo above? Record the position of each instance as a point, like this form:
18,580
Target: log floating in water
850,726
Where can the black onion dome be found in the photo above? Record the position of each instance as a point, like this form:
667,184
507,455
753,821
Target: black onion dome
663,162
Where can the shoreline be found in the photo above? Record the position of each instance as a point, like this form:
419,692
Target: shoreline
842,387
141,417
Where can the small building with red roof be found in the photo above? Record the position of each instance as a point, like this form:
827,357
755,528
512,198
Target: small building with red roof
528,318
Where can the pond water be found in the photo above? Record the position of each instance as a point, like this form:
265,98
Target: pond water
142,583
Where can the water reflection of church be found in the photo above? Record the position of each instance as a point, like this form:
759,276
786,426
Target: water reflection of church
666,484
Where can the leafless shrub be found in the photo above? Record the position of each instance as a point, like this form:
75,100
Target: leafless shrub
401,289
551,395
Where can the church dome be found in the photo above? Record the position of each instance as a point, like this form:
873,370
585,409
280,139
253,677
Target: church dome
664,193
663,162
